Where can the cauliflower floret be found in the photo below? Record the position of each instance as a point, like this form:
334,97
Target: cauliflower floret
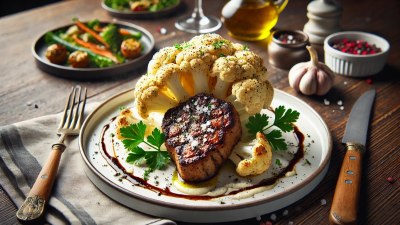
153,100
252,161
168,79
195,62
252,94
242,65
214,44
164,56
125,118
143,83
207,63
252,65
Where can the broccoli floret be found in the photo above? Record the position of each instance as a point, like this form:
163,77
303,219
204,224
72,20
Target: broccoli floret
111,35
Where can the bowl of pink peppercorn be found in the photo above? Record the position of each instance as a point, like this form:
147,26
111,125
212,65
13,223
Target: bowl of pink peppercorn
357,54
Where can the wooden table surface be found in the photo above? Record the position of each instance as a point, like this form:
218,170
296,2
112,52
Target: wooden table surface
27,92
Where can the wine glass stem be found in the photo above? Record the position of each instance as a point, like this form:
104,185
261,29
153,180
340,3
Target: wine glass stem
198,10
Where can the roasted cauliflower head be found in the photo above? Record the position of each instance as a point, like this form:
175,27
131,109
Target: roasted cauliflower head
209,64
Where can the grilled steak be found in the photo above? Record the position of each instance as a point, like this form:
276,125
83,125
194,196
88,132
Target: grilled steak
200,135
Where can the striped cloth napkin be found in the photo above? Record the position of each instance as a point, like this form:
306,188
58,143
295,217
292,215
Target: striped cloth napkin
25,146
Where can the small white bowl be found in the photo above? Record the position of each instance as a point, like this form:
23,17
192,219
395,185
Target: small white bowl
355,65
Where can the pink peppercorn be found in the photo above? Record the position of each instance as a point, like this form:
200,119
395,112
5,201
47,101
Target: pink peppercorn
357,47
390,180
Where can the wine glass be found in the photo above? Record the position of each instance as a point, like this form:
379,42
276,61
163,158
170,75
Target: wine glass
198,23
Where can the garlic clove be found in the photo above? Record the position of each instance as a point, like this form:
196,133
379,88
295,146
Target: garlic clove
295,75
308,83
324,83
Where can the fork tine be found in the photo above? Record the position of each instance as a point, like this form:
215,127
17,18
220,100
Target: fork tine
66,109
71,107
76,111
82,110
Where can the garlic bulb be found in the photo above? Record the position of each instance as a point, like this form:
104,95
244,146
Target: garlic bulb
311,77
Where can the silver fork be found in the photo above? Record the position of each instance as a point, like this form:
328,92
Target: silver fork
34,204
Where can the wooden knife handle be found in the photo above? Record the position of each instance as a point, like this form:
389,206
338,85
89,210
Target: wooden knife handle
35,202
345,199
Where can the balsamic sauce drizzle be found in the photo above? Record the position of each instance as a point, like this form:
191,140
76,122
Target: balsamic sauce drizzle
137,181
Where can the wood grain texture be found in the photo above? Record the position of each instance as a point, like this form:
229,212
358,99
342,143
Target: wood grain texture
23,86
345,200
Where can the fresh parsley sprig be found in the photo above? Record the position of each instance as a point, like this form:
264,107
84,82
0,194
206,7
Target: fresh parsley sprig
284,120
134,135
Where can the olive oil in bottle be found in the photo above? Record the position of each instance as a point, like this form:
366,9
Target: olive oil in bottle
251,20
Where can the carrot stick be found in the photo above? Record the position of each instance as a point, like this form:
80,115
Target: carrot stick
95,49
124,31
93,33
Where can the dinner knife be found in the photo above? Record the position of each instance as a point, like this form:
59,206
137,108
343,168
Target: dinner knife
345,200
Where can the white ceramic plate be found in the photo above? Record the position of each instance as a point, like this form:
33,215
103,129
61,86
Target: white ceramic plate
310,171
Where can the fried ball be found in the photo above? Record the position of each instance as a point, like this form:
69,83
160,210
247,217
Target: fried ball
131,48
56,53
79,59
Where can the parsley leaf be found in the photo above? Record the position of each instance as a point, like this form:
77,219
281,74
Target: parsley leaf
218,44
134,135
276,140
156,138
178,46
157,160
284,120
136,156
182,46
257,123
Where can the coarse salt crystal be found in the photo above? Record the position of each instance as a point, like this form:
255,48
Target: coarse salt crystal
340,102
194,143
163,30
273,217
290,223
285,212
258,218
326,101
345,83
323,201
341,107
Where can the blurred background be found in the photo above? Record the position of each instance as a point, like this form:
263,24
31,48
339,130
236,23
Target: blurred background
15,6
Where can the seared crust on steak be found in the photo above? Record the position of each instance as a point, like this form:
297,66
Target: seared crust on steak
200,135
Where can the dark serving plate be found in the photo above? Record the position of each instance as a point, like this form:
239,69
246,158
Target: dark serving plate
128,14
39,48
